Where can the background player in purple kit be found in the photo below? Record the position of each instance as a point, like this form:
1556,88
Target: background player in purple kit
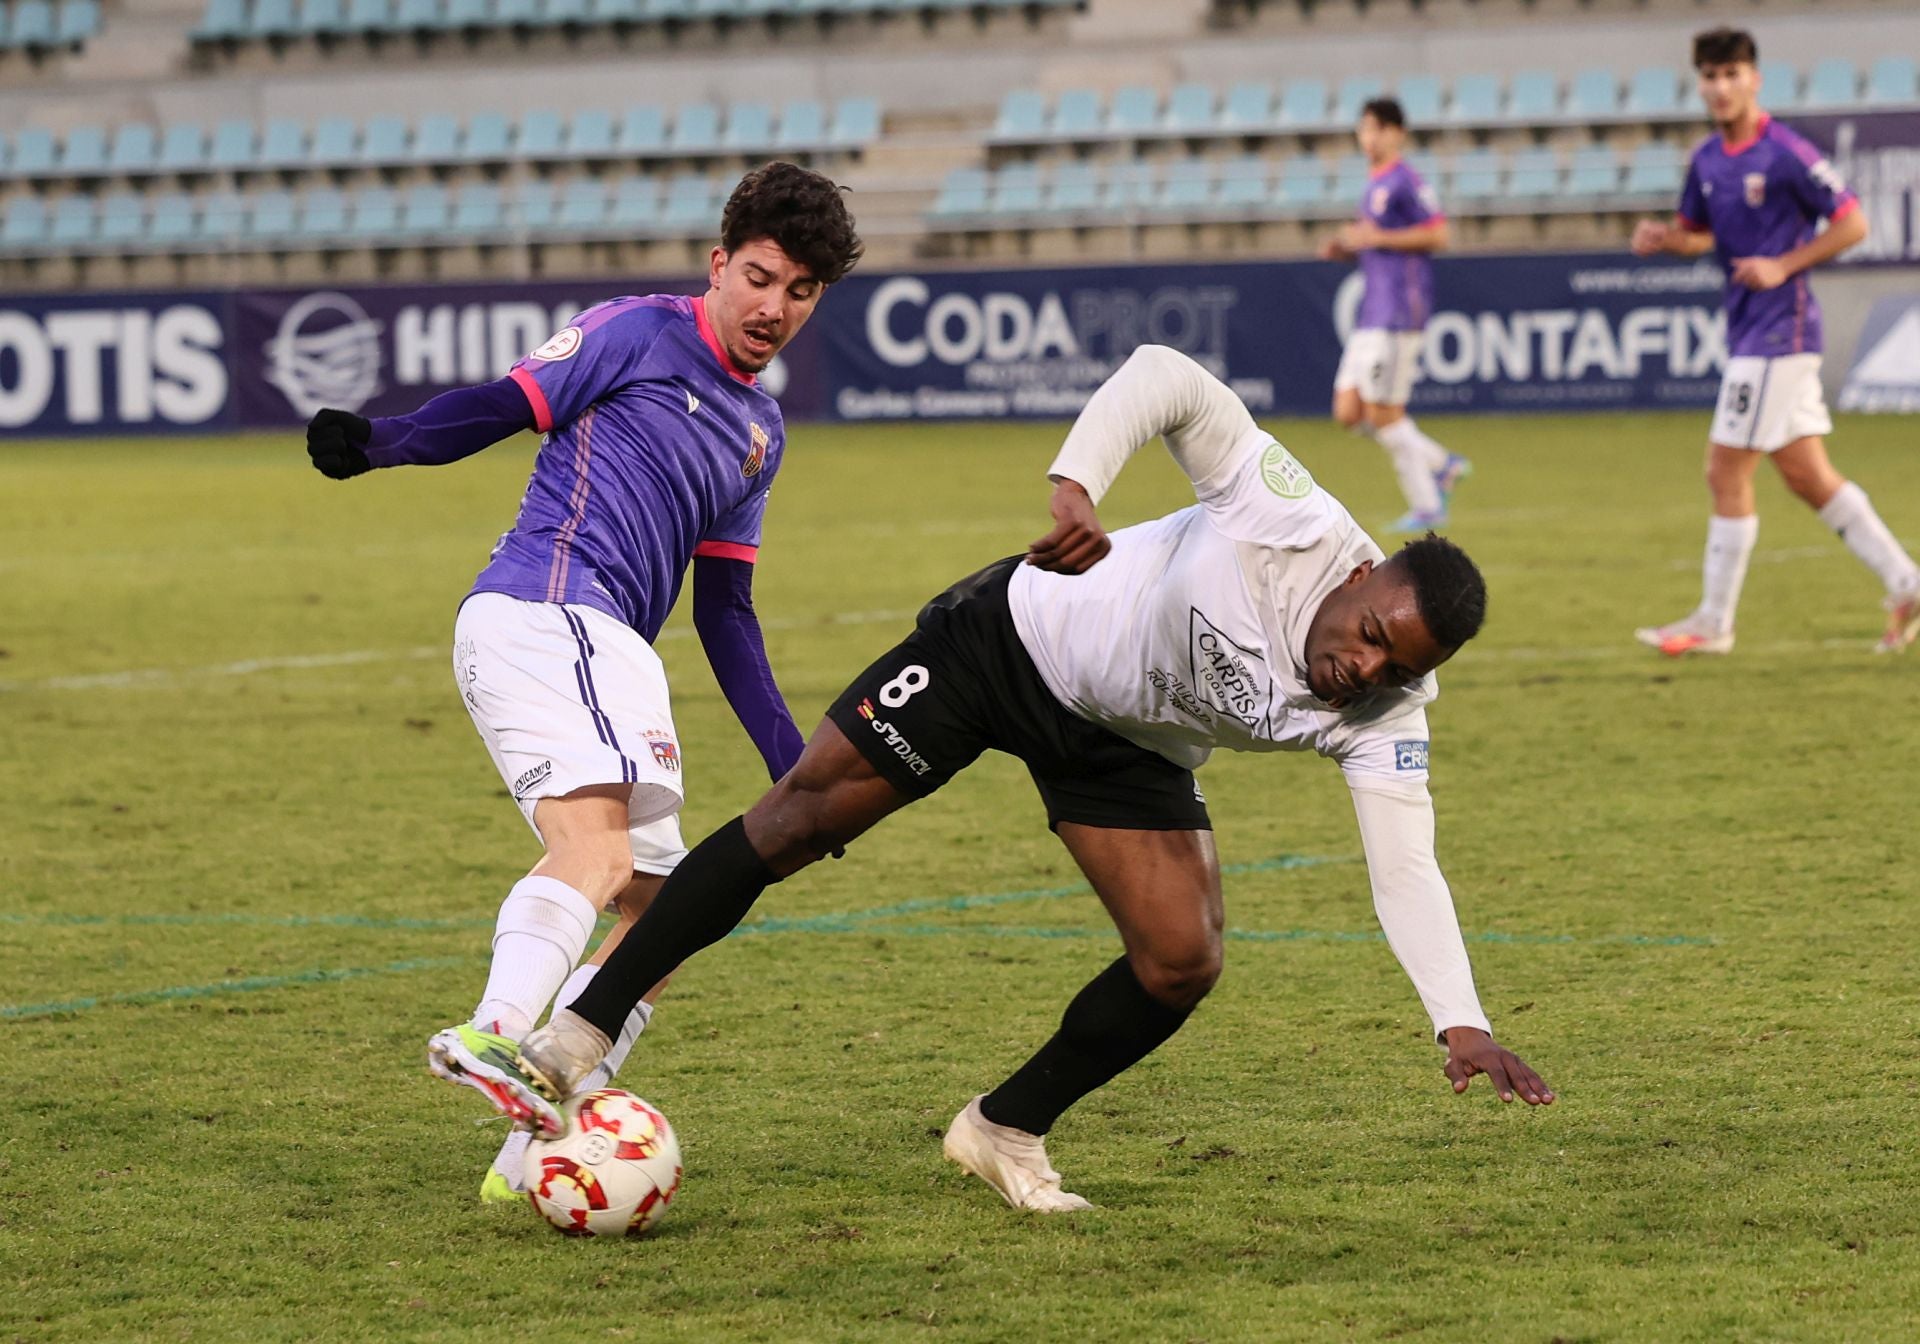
1400,226
1754,194
659,449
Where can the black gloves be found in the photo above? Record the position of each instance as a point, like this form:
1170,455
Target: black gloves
337,442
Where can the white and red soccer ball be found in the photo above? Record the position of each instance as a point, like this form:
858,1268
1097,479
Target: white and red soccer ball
612,1173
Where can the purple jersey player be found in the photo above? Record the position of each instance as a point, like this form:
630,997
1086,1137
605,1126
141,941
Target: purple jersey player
1757,195
659,446
1399,228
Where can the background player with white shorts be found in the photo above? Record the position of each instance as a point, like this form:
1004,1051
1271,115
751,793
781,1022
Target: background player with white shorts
1399,228
1754,194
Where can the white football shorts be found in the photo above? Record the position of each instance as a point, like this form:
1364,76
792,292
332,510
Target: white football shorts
1380,365
565,696
1766,404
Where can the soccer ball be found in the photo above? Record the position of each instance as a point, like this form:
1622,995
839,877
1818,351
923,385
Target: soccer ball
612,1173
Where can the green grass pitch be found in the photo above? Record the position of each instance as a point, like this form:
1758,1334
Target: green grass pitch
253,848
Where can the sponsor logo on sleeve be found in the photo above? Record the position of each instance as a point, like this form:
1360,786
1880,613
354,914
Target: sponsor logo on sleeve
1409,755
757,453
1283,473
563,344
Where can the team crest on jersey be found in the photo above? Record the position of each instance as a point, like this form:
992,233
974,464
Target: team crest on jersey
1377,201
1756,188
563,344
757,458
666,752
1283,473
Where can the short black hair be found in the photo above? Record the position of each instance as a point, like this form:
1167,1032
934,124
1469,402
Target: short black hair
1386,111
1724,46
799,209
1447,588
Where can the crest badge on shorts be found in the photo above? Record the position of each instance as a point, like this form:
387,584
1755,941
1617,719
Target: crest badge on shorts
1756,188
757,456
666,752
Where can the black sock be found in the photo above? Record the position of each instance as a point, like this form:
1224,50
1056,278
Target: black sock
700,903
1110,1026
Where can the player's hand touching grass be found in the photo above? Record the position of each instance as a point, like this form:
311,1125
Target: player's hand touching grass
337,443
1077,542
1471,1051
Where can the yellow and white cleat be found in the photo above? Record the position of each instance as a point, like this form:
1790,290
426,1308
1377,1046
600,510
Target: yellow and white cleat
1687,635
1903,624
497,1189
1012,1161
485,1062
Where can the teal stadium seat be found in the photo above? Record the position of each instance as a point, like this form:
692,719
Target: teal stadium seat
78,21
583,206
1243,185
1653,92
322,18
283,144
1130,188
1302,184
1476,100
749,128
270,216
1016,191
424,212
856,123
688,211
1893,81
1350,178
1076,114
123,219
620,13
590,135
35,153
73,222
84,152
520,14
1779,86
1594,173
417,16
1188,188
1594,95
174,222
1303,104
1832,83
567,13
533,210
1533,96
1135,110
1655,169
385,141
1023,116
476,211
24,225
134,151
466,15
542,136
322,214
374,215
368,16
643,130
435,140
963,194
33,30
1475,177
222,218
1533,175
1426,166
1190,108
1420,99
272,19
1074,190
1353,94
1248,107
183,149
235,143
336,141
487,140
222,21
803,125
696,129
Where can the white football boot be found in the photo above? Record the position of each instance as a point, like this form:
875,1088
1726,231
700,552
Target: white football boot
1689,634
557,1058
1903,624
1012,1161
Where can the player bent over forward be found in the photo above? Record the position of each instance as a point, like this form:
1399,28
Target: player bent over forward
1263,619
1753,193
1399,228
659,449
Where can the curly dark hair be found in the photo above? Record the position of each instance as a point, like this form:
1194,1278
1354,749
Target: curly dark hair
1447,588
1724,46
800,210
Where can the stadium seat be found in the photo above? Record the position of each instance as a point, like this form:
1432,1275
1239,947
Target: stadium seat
35,153
803,125
583,206
1476,100
133,152
183,149
1016,190
283,144
73,222
1595,172
689,206
1533,96
590,135
1023,116
234,145
520,14
487,139
318,18
1302,184
336,140
1076,114
963,193
78,20
464,15
1249,107
123,219
416,16
749,128
643,131
272,18
33,29
24,225
385,141
374,215
1190,108
270,216
435,140
368,16
856,122
222,218
1654,92
1303,103
1188,189
1533,175
542,135
175,220
477,210
1655,169
1779,85
1832,83
84,152
696,128
1133,111
1420,100
1594,95
1426,167
533,210
1354,93
1475,176
1075,189
1350,178
1129,188
567,13
222,21
424,211
1893,81
322,214
1243,185
619,12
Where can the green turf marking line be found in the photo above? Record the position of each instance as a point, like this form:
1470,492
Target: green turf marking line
251,984
1292,935
270,921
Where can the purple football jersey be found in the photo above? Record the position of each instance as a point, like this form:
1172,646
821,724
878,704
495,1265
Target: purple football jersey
1399,285
1761,199
656,449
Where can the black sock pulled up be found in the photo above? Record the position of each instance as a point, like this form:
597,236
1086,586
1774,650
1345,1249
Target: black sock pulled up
1110,1026
698,905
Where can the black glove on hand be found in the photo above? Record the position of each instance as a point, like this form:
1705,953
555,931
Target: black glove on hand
337,441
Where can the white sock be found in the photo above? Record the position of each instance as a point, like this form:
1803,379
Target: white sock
1431,453
1724,568
1407,446
542,931
1850,513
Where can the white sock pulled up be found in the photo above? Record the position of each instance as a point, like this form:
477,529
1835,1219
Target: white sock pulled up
1851,514
1411,452
542,930
1723,570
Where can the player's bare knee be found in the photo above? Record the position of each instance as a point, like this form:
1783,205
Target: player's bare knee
788,827
1181,975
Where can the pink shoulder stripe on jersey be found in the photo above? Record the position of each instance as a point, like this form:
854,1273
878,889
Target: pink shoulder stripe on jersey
1848,204
713,343
1759,130
576,509
542,413
1383,169
728,550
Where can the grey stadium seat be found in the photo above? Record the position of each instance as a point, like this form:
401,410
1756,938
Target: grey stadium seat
533,209
78,20
1130,188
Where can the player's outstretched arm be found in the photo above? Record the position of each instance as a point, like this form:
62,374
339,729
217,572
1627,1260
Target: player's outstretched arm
453,425
730,633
